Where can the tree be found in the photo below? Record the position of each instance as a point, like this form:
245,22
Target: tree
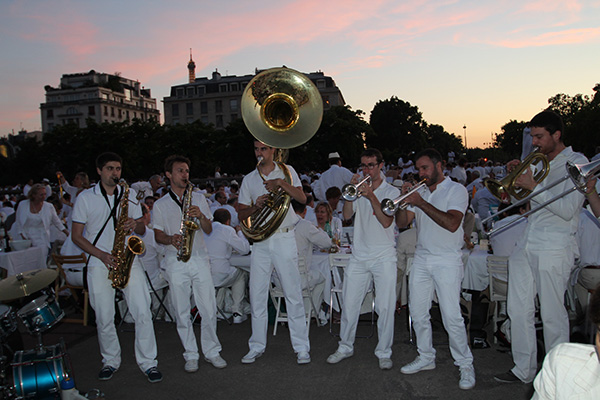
510,140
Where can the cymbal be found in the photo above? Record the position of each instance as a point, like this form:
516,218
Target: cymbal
24,284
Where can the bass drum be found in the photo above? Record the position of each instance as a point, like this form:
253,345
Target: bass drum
37,374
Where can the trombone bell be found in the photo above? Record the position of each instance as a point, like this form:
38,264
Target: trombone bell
282,108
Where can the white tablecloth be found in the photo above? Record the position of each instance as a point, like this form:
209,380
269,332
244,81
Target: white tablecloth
476,272
15,262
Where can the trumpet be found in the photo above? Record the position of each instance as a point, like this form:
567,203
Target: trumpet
350,191
579,174
389,206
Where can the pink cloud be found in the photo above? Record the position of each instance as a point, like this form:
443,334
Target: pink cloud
569,36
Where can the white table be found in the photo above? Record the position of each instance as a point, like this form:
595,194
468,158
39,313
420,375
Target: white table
476,275
15,262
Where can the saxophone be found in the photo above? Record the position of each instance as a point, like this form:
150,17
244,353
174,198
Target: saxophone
122,251
189,226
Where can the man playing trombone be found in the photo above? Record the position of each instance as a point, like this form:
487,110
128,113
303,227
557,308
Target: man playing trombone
437,265
542,261
373,256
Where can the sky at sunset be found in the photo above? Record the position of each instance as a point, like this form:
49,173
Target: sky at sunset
475,63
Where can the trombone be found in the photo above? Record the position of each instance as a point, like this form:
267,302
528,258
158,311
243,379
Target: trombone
350,191
389,206
579,175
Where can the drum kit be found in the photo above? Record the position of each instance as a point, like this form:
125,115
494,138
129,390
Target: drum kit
45,371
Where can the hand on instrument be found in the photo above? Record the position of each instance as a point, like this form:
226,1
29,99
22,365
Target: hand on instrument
511,165
194,212
129,225
526,181
406,187
109,260
355,179
366,191
260,202
272,184
176,240
590,186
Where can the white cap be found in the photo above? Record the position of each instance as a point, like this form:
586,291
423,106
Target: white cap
335,154
398,183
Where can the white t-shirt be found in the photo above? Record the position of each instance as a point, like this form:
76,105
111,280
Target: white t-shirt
253,187
92,209
220,243
437,245
167,216
371,239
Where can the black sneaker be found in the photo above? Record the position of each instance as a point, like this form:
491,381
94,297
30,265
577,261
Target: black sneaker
507,377
154,375
106,373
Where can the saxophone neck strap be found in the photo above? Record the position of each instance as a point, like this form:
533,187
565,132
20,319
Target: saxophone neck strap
176,199
113,208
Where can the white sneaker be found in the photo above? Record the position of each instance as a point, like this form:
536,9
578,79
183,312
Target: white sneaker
239,318
419,364
338,356
323,318
467,378
251,356
303,357
217,361
191,366
385,363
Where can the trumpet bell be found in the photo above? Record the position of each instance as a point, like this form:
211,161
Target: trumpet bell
282,108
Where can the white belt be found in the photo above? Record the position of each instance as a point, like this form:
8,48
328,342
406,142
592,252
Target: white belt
284,230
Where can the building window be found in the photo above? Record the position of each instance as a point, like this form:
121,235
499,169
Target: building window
127,114
190,91
219,121
189,108
175,121
105,111
120,114
175,110
218,106
233,105
112,111
72,110
50,114
204,119
234,87
179,92
203,107
223,87
321,84
91,110
201,90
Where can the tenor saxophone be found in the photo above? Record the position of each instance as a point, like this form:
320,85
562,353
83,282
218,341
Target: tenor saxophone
124,250
189,226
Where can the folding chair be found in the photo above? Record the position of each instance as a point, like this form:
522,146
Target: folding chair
497,268
277,296
61,261
338,262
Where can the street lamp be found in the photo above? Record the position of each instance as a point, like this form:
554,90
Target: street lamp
465,128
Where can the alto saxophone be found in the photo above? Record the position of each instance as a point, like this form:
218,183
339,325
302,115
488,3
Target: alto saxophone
123,251
189,226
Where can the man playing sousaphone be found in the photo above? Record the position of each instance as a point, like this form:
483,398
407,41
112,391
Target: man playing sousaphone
542,261
275,248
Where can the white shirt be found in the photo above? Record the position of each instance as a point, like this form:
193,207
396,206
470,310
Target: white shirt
253,187
482,201
150,258
588,239
220,243
307,236
459,174
36,226
570,371
437,245
371,239
234,215
335,176
92,210
554,226
167,216
504,242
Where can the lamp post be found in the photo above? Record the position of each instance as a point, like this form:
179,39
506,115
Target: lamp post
465,129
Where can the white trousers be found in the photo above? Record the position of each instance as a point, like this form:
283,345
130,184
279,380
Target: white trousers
102,299
278,251
545,273
357,277
446,281
187,279
237,281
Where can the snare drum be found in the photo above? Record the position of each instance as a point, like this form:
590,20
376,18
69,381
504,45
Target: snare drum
41,314
8,322
38,374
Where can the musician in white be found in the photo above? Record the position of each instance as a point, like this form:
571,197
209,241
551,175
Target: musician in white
192,277
373,257
278,251
541,263
95,218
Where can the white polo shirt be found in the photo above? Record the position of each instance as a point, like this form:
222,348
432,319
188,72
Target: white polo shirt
220,243
167,216
253,187
371,239
92,209
437,245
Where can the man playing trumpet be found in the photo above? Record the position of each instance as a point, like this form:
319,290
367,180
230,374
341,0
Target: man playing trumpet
373,257
542,261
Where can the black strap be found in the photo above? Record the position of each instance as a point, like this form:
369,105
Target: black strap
176,199
116,200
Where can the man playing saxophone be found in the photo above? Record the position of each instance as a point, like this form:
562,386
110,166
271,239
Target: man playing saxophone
186,262
96,219
277,249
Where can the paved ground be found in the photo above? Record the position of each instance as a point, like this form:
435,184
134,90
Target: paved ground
276,374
